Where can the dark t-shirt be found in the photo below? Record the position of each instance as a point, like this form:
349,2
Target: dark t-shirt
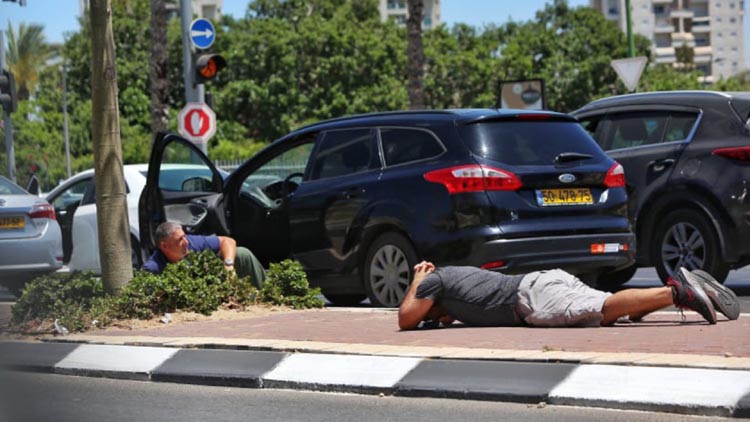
157,261
472,295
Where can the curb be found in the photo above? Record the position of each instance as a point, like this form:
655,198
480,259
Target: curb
710,392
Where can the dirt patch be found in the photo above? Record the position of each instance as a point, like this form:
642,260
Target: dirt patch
45,328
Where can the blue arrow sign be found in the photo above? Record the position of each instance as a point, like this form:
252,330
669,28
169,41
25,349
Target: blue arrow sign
202,33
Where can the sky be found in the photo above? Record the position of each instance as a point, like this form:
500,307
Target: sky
60,16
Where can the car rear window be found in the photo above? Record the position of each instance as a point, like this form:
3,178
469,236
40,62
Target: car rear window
527,143
9,188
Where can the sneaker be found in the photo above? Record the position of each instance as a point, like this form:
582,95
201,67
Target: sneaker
689,294
723,298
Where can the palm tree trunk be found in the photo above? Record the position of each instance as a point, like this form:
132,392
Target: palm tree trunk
159,81
415,54
111,205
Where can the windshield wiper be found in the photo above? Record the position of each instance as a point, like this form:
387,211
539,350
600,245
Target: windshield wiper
564,157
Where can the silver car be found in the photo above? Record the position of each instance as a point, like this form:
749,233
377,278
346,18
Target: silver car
30,238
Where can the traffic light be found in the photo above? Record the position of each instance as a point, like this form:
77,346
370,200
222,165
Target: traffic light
207,66
8,91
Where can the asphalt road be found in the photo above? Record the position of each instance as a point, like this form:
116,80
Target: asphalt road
42,397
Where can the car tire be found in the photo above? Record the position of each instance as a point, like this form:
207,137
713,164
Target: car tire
136,254
687,238
388,269
345,300
613,280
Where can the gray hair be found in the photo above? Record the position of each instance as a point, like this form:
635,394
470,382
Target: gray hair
165,230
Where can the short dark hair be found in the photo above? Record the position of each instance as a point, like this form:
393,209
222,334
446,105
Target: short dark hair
165,230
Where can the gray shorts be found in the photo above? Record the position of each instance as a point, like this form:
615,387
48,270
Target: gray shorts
556,298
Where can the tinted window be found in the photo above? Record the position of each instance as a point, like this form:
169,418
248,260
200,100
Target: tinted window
629,130
345,152
405,145
527,143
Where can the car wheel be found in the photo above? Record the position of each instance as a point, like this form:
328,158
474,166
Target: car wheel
614,279
687,238
136,256
388,269
345,300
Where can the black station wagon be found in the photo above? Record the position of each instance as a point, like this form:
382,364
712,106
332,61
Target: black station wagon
687,159
360,200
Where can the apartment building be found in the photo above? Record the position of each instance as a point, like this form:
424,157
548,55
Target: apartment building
398,10
713,29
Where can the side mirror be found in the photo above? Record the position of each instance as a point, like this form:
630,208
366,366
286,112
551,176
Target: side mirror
196,184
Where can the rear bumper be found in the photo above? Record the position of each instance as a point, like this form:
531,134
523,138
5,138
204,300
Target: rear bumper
571,253
29,257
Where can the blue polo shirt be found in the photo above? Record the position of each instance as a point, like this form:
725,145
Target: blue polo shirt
157,261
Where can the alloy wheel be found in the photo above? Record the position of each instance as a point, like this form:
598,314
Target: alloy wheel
389,275
683,246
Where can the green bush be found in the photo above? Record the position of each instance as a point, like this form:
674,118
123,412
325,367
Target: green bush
65,296
286,284
199,283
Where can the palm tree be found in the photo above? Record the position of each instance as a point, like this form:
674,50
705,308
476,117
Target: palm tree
415,54
26,54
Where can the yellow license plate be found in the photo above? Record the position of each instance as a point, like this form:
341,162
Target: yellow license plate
547,197
12,222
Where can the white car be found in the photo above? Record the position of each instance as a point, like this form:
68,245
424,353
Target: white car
74,201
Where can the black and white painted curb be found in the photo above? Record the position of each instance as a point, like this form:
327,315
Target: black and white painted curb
682,390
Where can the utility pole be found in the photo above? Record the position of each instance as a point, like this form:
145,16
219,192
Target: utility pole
9,151
629,23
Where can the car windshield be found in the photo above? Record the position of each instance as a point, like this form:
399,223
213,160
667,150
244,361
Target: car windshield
9,188
528,143
173,178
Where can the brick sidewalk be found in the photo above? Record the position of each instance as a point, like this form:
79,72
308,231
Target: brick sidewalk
658,333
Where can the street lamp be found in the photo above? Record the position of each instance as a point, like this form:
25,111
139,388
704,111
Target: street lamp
64,70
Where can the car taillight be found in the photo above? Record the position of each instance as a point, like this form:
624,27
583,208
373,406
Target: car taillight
474,178
42,211
492,265
735,153
615,177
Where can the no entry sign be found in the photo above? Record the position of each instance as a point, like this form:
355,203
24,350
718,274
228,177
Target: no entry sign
197,122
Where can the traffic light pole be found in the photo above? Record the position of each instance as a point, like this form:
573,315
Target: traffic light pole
194,93
9,152
629,23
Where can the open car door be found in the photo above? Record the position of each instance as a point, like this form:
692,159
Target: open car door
183,187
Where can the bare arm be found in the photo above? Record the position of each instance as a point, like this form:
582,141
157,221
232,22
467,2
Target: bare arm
413,310
227,249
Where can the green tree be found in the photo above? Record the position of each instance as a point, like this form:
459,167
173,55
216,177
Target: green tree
292,63
26,54
571,48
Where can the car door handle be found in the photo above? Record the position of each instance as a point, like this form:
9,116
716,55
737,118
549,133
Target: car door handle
660,165
351,193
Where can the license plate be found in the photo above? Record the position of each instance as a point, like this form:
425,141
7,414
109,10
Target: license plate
550,197
12,222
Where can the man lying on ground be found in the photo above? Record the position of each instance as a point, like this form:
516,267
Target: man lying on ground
549,298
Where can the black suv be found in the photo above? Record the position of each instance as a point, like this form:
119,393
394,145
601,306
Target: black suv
359,200
687,160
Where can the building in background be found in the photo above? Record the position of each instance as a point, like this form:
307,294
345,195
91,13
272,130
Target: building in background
398,10
713,29
209,9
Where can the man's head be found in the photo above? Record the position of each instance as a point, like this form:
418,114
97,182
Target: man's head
171,241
